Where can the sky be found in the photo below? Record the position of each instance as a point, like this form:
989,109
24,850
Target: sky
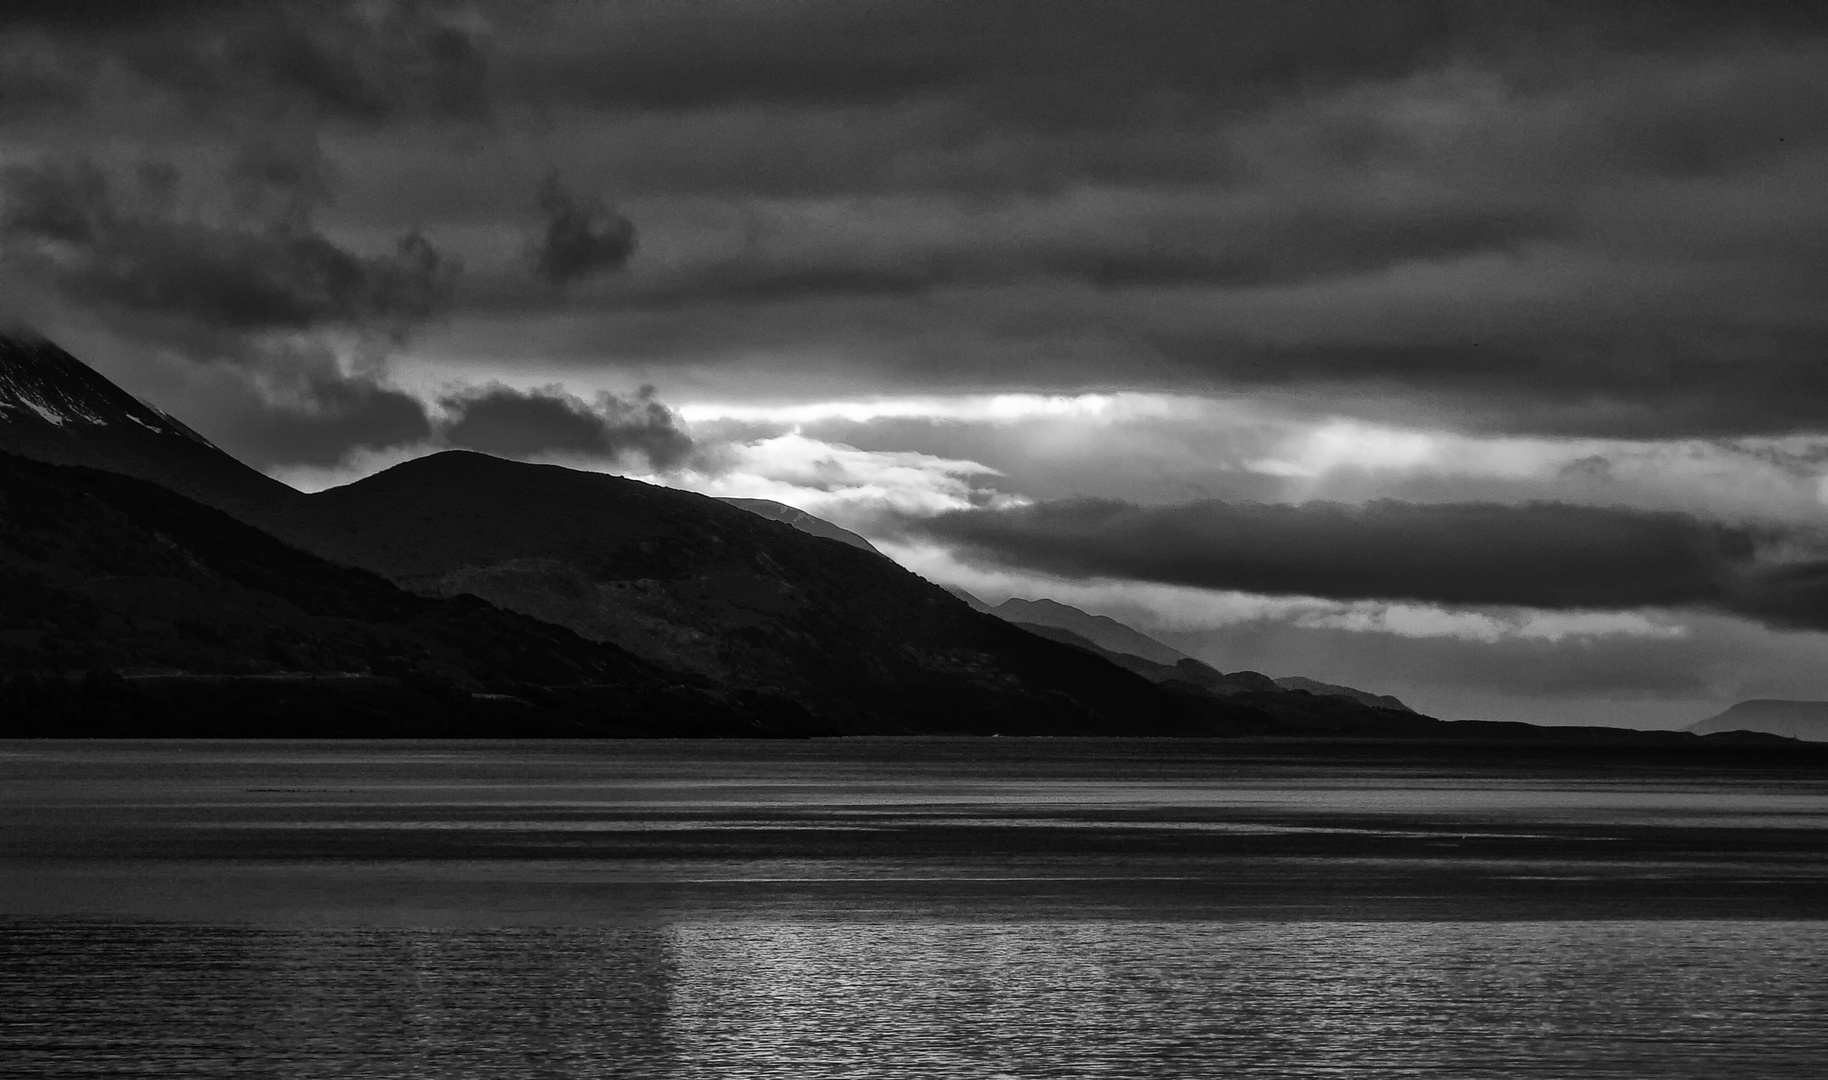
1474,351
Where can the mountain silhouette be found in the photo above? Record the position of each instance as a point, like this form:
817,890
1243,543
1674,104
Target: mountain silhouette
130,609
695,584
150,583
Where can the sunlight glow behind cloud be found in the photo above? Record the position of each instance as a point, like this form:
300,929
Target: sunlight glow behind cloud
971,408
1179,608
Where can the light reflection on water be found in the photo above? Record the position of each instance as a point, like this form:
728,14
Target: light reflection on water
1051,998
987,908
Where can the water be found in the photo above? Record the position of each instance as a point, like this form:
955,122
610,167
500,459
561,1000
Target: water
919,909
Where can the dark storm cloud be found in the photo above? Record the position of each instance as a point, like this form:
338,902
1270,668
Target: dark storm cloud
519,423
581,237
1542,555
243,294
671,56
213,253
133,251
1530,216
334,59
322,422
1062,60
1147,241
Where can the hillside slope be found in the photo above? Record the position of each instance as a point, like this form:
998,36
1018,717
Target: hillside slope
130,609
693,583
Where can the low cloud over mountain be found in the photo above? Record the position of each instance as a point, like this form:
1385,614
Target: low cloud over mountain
521,423
1539,555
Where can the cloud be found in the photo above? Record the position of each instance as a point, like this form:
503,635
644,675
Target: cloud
854,488
302,407
132,251
1167,608
1054,61
582,237
286,329
1540,555
351,62
338,417
501,420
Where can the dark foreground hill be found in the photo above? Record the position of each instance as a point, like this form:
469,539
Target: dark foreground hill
125,608
694,584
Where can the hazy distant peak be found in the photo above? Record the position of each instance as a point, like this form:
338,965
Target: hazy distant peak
969,598
1315,686
1794,719
803,521
1099,629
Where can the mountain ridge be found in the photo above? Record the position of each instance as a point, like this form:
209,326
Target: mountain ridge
811,524
56,409
1103,629
130,605
690,582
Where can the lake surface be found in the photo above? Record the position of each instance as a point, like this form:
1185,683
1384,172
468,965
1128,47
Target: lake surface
917,908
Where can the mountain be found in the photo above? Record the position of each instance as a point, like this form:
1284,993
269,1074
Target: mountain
803,521
1314,686
971,601
464,594
1794,719
1101,629
1118,643
1280,709
714,594
129,609
697,585
54,408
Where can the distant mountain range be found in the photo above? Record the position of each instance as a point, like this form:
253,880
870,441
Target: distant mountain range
1124,644
151,584
1101,629
1807,720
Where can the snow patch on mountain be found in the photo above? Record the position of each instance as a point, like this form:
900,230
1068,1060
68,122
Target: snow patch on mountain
39,379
